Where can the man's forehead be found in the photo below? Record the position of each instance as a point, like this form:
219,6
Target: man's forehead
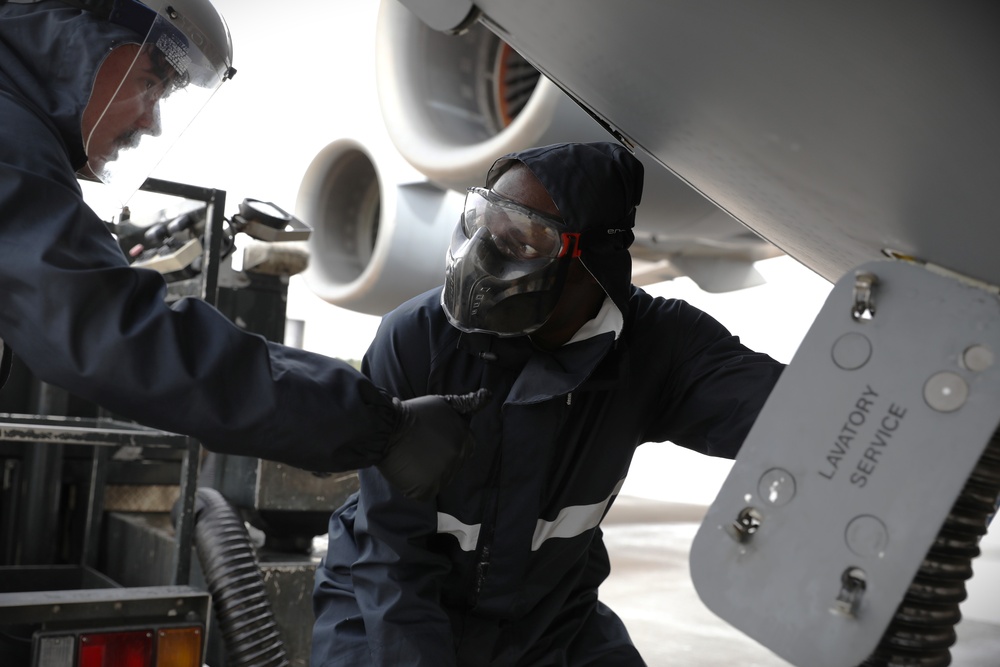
521,186
132,59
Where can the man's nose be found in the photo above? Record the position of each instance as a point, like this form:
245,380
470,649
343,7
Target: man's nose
149,121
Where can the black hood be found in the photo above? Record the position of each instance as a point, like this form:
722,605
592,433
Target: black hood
596,187
49,57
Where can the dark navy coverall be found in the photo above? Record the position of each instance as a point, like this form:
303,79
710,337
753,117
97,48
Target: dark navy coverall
503,567
82,319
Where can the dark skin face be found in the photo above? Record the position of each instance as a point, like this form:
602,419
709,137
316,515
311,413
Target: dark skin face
581,296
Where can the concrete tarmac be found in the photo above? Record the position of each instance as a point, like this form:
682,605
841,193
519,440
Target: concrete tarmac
650,588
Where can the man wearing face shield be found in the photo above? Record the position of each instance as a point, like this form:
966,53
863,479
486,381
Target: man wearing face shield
100,89
503,566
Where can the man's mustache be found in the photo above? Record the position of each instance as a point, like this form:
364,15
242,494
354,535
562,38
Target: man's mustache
131,138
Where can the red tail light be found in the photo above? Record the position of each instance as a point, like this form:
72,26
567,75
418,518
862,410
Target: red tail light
117,649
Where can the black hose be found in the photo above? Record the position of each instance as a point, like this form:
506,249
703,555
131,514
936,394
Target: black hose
922,630
229,563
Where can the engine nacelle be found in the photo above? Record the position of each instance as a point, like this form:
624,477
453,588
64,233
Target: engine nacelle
375,242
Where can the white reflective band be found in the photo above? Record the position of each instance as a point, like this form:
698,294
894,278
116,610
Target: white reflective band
467,536
572,521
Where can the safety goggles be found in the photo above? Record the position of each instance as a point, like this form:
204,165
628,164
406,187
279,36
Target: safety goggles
518,232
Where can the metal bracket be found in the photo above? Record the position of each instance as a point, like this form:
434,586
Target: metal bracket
864,295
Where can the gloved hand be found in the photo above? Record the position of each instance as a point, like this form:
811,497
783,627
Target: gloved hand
431,440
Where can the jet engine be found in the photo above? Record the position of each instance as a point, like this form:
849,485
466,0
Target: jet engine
451,105
375,242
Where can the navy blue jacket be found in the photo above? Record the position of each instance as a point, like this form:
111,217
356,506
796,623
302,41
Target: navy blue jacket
502,568
80,318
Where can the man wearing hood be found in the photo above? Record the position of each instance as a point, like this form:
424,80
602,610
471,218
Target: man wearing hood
503,566
98,89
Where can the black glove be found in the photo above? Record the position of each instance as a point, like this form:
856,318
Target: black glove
431,440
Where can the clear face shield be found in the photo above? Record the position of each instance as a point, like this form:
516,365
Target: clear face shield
146,95
506,266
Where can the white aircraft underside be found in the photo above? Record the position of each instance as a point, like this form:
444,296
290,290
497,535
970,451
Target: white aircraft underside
837,131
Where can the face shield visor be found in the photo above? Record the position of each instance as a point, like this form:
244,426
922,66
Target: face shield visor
506,266
146,95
